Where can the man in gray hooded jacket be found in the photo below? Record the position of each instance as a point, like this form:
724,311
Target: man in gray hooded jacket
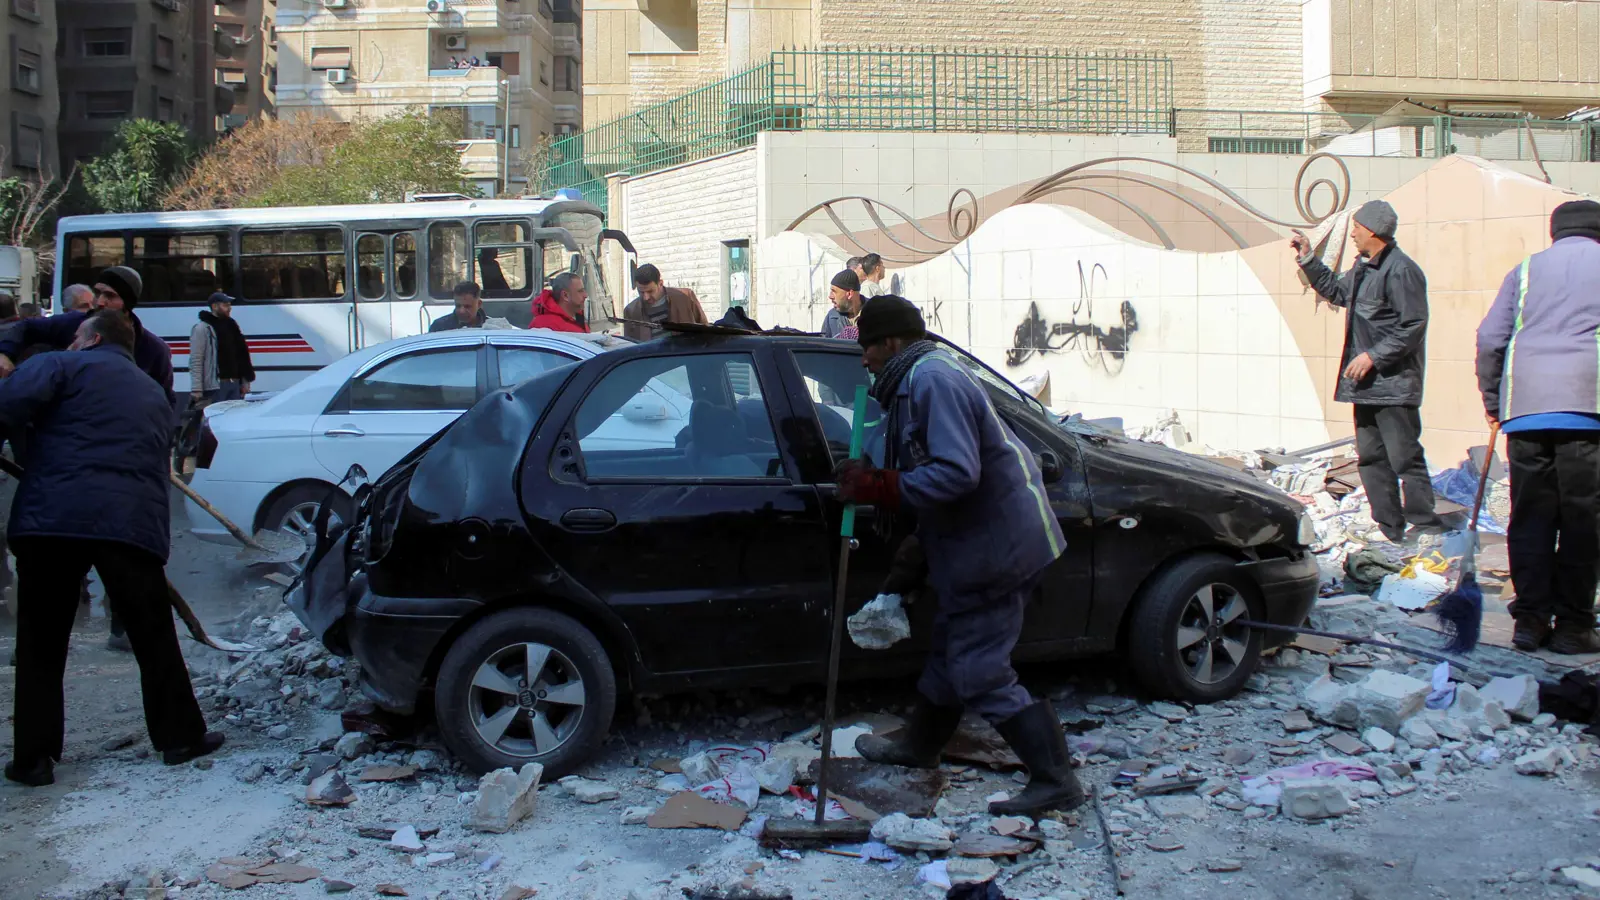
1538,367
1385,298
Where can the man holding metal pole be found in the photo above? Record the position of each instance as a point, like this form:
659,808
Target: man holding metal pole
986,526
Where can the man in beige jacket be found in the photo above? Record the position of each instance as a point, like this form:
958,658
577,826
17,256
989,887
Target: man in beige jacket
657,305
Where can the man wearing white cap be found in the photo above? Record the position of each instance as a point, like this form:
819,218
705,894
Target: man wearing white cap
1385,296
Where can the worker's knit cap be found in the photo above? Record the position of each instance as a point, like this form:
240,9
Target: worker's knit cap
1378,217
887,316
126,282
1576,218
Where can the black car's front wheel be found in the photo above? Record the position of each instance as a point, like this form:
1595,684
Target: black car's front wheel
1185,639
525,685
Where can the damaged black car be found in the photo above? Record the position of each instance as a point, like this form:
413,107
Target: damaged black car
662,518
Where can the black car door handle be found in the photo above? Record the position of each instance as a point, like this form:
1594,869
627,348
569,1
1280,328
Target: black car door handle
588,520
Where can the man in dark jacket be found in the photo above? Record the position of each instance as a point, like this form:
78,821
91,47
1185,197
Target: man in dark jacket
1538,371
1385,296
987,532
94,495
219,356
118,290
468,313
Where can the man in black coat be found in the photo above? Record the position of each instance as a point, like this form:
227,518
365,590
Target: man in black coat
94,495
1385,296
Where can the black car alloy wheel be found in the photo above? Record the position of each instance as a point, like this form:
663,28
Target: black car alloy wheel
525,685
1185,639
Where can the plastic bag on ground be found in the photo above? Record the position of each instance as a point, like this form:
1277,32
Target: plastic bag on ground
880,624
1413,592
739,787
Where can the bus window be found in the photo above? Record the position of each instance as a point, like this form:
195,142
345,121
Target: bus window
292,264
557,258
91,254
369,267
183,268
504,258
405,265
447,260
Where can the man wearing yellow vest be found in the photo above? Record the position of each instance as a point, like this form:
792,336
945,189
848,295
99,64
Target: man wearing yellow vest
1539,372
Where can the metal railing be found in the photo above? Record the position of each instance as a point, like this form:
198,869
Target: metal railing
1266,131
872,90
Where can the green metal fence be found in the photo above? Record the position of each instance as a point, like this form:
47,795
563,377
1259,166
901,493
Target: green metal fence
872,90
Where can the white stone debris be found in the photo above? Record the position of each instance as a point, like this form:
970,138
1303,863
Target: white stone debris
1384,699
1519,696
902,832
1312,799
880,624
585,791
506,797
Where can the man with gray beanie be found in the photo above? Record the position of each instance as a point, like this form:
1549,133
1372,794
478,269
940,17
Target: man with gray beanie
845,292
1385,296
1538,370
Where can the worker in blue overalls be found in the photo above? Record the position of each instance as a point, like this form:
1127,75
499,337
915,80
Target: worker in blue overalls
987,530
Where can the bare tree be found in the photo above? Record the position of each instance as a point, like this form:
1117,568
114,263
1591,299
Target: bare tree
252,157
27,203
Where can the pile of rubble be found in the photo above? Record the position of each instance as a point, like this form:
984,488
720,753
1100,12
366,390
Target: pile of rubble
262,691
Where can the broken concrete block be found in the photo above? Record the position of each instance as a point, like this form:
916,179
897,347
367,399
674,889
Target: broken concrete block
1332,702
1419,734
970,871
1378,739
1384,699
1447,727
699,769
1295,721
902,832
585,791
880,624
505,798
636,815
776,775
1179,806
1316,798
1539,762
329,789
406,840
1581,876
1518,696
354,744
803,755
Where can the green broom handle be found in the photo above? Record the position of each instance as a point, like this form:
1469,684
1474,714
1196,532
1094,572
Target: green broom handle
847,525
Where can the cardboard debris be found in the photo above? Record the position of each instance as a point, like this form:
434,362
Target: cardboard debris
391,890
686,809
1325,646
1006,826
236,873
988,846
882,788
387,773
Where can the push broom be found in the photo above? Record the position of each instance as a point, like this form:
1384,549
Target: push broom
1460,611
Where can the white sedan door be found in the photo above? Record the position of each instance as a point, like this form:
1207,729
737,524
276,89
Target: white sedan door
395,403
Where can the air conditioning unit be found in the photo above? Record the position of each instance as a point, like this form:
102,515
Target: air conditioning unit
437,6
455,42
338,76
336,4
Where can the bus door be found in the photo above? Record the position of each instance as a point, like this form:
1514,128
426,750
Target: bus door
385,280
558,252
504,266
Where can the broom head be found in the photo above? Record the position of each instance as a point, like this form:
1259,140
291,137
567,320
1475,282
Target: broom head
1461,614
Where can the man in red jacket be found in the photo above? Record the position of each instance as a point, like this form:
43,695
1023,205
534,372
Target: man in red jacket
558,306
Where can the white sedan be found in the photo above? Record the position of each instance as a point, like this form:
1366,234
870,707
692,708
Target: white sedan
269,463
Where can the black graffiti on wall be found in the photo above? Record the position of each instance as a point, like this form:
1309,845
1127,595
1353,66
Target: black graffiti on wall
1105,347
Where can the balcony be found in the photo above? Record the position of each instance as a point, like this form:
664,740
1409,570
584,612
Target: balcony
442,87
568,39
457,15
1513,50
483,159
464,87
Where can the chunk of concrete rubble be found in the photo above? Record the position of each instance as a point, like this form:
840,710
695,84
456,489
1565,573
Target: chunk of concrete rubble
506,797
1518,696
1378,739
329,789
585,791
1581,876
1313,799
1172,712
1296,721
699,769
1419,734
1540,762
1177,807
1224,864
406,840
962,870
1332,702
777,774
803,755
1384,699
354,744
902,832
1544,720
636,815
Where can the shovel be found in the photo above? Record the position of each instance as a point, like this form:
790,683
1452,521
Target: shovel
265,548
820,831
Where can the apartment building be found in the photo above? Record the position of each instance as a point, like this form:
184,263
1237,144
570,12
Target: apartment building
507,69
235,64
29,105
117,60
1342,56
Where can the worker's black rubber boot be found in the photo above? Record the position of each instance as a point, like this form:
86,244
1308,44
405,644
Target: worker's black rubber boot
206,746
917,745
39,774
1035,734
1530,633
1572,640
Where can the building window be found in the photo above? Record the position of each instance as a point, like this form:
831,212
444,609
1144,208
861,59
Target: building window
736,272
230,76
164,109
272,78
26,77
544,71
107,104
107,42
1277,146
26,9
234,30
546,9
509,63
28,136
330,57
478,123
567,77
516,137
165,52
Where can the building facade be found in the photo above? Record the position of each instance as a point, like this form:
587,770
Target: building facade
119,60
235,64
29,104
508,68
1350,56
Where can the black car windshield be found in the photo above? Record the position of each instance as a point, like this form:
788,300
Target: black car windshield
994,379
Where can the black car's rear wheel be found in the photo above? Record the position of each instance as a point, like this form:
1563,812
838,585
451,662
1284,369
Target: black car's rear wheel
525,685
1185,639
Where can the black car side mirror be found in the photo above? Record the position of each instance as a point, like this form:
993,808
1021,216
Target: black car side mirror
1050,467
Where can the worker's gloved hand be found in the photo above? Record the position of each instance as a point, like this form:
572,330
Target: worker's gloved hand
861,483
908,571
